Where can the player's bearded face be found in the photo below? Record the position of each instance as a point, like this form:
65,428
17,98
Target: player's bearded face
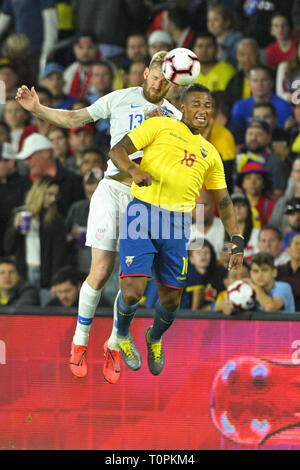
155,86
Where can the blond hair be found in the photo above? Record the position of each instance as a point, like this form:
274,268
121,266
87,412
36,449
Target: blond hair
34,201
157,59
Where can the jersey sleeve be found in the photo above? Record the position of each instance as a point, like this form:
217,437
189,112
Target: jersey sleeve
215,176
101,109
144,135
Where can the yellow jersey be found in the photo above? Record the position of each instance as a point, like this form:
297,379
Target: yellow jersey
218,77
179,161
223,140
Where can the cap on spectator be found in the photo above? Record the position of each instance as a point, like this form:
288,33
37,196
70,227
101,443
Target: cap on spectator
34,143
252,167
52,67
259,124
239,197
160,36
86,127
293,205
7,151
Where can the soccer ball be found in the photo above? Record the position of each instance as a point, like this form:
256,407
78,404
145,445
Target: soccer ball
241,295
181,66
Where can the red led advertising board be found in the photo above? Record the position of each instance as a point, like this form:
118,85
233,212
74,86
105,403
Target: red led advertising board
227,384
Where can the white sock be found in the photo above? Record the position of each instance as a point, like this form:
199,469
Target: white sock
112,342
88,301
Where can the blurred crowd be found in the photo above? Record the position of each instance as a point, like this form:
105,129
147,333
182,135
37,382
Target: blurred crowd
75,52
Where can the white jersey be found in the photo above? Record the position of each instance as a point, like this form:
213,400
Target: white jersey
126,110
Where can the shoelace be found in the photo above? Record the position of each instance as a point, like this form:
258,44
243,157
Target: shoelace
156,349
126,348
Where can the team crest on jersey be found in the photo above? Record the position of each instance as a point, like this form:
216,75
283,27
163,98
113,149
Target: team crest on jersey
203,152
128,260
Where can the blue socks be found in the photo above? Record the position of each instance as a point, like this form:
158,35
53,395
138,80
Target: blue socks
163,319
125,315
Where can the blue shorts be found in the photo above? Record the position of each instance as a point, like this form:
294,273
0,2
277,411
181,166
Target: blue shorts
154,237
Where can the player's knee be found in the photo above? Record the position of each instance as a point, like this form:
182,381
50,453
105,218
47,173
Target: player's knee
131,297
132,291
171,304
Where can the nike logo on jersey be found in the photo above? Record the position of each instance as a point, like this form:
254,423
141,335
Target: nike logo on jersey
135,106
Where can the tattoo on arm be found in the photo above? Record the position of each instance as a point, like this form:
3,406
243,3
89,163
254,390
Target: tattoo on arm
128,145
224,203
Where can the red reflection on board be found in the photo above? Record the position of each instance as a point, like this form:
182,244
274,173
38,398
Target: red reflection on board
255,399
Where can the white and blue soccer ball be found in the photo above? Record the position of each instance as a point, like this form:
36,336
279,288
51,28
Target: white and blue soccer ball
241,295
181,66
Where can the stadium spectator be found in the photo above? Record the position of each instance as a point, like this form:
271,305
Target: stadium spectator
261,86
111,22
177,23
77,76
223,304
280,137
93,158
65,287
137,48
37,153
38,21
10,79
52,79
59,139
80,139
290,272
244,216
38,125
287,75
220,23
205,277
223,140
159,40
206,224
271,241
17,50
247,56
258,140
253,180
284,47
39,246
102,80
17,119
4,132
254,18
278,216
136,73
13,187
214,74
271,295
14,291
292,211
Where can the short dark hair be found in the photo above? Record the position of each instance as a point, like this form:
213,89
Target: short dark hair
194,87
206,34
262,258
274,228
64,274
267,69
265,104
179,16
8,260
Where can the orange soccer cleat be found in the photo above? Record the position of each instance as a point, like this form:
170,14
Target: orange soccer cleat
78,362
111,368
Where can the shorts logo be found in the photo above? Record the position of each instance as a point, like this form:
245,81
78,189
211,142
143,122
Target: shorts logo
100,233
128,260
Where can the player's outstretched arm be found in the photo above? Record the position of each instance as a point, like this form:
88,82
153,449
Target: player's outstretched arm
227,215
119,156
29,100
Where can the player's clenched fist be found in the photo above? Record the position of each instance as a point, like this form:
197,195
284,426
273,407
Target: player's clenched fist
141,178
28,99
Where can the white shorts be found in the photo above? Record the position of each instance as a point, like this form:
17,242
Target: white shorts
107,208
